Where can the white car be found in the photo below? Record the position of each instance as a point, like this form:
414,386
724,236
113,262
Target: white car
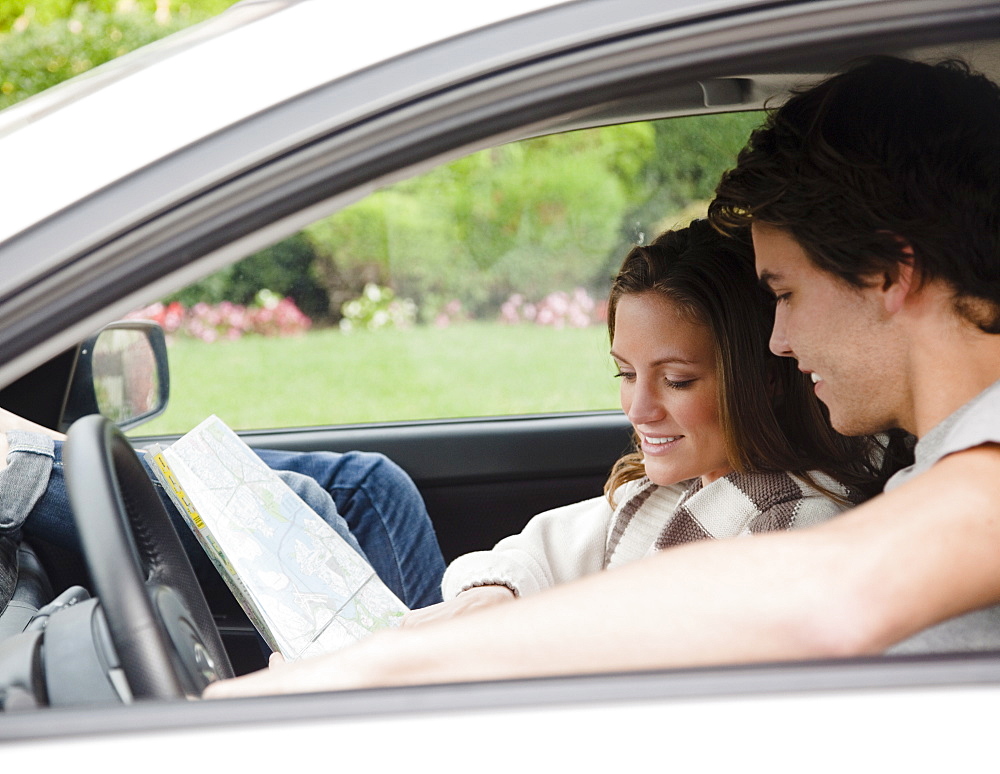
158,168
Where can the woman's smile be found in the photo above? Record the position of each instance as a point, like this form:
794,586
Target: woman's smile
652,444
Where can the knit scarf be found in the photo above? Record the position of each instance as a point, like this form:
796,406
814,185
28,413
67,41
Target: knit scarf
656,517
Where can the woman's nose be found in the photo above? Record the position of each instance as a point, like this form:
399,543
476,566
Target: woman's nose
646,405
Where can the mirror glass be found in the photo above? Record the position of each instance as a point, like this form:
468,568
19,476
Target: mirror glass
126,379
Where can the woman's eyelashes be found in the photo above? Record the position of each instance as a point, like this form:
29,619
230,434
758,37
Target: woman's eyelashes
675,384
679,384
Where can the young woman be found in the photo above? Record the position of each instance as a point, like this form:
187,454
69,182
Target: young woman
730,440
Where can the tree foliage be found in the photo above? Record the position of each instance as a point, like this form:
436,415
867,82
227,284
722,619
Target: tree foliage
19,15
42,56
44,42
538,216
284,269
524,215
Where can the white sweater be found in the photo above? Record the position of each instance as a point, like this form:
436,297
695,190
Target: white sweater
567,543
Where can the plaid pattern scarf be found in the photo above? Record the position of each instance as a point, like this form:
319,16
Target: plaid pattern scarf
658,517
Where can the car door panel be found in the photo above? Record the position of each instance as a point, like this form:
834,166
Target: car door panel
483,479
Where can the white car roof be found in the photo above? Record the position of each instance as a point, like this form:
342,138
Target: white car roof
58,147
131,116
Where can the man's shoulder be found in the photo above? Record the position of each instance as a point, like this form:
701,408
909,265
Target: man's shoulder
974,424
971,468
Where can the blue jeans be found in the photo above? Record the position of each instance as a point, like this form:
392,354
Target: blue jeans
366,497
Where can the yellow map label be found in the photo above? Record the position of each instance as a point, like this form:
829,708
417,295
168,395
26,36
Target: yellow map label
170,478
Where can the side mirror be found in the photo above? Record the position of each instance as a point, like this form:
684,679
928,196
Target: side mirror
121,373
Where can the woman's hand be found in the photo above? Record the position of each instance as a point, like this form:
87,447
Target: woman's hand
470,600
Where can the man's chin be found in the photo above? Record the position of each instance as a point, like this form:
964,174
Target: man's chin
849,424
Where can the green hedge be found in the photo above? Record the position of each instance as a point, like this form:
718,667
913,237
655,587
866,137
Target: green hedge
285,269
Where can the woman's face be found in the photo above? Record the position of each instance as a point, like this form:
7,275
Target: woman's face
669,389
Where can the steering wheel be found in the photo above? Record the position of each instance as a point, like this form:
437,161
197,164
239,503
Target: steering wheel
160,623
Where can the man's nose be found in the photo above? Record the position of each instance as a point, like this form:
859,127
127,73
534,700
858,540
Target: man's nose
779,336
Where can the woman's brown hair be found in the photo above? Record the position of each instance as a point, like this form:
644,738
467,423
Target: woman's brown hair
771,418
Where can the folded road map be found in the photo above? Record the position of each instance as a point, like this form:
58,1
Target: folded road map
301,584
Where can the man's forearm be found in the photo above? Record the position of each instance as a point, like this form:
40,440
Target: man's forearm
925,552
649,614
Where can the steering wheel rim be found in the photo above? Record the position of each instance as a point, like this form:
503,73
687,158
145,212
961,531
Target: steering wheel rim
139,567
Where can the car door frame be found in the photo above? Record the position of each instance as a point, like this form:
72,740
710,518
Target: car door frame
99,276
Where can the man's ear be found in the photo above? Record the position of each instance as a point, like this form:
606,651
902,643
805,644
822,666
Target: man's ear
899,284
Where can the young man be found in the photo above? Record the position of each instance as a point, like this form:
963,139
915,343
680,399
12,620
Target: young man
874,201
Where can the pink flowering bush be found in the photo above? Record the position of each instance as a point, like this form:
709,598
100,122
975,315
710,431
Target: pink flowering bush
451,313
270,315
558,310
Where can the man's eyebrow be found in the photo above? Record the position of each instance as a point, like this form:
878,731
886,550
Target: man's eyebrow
768,278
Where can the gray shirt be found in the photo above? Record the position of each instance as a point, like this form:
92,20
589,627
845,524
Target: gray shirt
975,423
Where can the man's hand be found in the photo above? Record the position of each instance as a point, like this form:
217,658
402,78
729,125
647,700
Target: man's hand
377,660
470,600
368,663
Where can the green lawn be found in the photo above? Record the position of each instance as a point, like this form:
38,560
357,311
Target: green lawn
328,377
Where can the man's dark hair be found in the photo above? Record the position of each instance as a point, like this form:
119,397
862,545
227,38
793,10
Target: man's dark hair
888,154
770,416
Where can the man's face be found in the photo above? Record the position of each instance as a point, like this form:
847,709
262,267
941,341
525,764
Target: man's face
840,335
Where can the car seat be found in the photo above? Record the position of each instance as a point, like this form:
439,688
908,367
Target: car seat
24,586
